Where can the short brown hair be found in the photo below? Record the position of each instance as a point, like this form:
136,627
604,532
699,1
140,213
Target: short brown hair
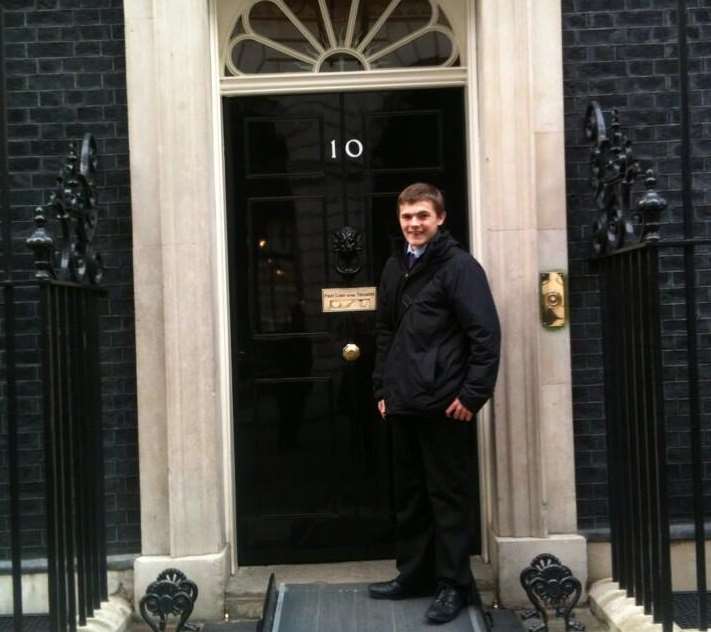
419,192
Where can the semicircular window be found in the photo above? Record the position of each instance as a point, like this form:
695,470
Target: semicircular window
276,36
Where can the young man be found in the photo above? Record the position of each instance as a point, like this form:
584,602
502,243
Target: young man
438,344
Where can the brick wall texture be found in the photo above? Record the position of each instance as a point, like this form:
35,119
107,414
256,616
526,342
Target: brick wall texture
65,76
625,55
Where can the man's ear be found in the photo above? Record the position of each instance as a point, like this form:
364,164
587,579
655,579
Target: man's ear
441,218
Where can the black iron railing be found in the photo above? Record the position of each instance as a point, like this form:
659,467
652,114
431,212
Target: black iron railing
68,366
636,437
652,378
51,386
654,337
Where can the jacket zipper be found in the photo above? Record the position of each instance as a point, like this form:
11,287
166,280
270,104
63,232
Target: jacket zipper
404,280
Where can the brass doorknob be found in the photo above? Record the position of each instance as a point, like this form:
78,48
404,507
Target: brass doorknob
351,352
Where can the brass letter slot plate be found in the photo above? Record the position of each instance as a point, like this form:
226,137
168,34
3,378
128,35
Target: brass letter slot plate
348,299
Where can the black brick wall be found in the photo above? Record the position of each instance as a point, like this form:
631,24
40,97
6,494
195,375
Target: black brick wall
65,75
624,54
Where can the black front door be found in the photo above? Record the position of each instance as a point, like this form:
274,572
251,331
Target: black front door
312,456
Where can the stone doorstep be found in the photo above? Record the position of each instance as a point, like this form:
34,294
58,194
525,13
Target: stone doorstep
115,615
612,605
245,590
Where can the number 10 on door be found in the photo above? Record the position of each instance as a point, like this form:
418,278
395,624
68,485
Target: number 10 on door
353,148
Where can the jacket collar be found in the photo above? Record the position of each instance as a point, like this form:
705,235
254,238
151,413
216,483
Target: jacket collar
437,248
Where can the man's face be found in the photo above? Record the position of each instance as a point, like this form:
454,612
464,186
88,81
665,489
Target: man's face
419,222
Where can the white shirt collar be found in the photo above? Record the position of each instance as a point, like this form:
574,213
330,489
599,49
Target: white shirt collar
418,251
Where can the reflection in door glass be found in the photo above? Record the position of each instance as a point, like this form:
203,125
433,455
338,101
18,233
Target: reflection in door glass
287,263
277,273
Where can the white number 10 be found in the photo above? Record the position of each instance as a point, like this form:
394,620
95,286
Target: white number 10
353,148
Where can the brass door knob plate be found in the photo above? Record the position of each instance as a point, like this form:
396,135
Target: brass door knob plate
351,352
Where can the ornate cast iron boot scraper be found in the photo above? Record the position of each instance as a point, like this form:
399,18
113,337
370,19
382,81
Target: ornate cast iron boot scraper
550,584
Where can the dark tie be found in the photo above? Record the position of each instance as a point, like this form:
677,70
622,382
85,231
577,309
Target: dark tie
411,259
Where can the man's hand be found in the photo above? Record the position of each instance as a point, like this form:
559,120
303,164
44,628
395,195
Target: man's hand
459,411
381,408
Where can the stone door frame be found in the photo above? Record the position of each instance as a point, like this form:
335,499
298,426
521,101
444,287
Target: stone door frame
517,192
461,15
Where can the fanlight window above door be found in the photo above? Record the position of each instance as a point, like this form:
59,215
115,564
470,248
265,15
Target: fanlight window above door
283,36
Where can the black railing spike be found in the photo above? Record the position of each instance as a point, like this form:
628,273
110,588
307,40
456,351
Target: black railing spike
42,245
73,203
650,206
614,172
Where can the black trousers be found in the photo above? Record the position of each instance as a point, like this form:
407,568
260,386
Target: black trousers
433,471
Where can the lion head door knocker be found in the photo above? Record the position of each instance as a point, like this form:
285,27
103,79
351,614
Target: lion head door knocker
347,244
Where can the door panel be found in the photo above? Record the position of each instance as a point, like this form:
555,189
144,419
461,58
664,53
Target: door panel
285,147
420,147
313,458
285,238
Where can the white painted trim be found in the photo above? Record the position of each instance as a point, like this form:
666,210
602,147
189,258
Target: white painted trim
352,15
295,83
383,52
289,14
476,239
378,25
229,12
223,349
269,44
335,51
321,53
327,21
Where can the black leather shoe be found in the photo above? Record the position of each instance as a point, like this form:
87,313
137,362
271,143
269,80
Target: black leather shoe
395,589
448,603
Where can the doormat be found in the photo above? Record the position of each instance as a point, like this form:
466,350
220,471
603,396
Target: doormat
30,623
348,608
686,609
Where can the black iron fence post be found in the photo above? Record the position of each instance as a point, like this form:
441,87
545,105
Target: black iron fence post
12,448
696,437
630,258
66,292
662,609
626,244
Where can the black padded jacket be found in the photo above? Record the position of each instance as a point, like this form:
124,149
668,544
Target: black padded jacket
437,332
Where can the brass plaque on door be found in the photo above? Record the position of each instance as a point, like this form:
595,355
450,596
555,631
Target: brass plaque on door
348,299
